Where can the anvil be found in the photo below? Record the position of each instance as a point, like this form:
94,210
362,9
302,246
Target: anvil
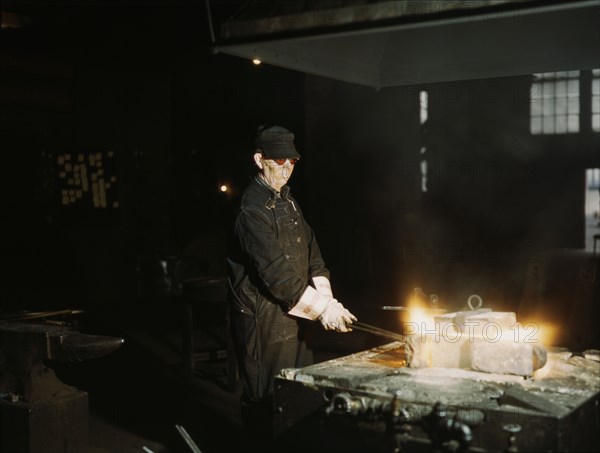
27,346
38,412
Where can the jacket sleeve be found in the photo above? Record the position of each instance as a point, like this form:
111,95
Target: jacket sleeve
257,237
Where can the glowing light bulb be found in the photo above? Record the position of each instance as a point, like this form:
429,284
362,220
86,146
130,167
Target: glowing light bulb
256,61
224,188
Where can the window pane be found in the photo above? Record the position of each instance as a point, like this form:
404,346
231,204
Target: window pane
561,74
548,125
596,72
596,122
536,125
536,92
596,104
548,89
573,105
596,86
424,103
548,107
561,124
573,87
561,88
573,73
536,108
573,123
561,106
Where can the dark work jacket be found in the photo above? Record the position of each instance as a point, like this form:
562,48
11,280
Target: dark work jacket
275,253
273,258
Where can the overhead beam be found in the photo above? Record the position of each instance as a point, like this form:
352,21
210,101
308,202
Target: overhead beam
438,47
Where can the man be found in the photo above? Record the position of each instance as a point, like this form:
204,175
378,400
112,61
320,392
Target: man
277,275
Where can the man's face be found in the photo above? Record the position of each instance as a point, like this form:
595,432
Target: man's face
276,174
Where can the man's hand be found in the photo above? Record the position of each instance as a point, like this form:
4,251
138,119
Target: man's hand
315,305
336,317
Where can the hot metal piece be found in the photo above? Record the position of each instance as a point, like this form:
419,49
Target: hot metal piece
477,339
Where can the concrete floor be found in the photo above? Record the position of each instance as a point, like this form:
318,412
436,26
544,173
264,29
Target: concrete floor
207,414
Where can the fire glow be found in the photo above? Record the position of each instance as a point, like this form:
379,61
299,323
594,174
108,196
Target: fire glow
418,319
417,314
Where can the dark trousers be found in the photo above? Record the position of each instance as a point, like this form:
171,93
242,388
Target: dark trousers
266,342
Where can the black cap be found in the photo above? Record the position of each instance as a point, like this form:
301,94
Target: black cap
275,142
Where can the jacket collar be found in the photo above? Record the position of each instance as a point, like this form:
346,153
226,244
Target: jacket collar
285,190
271,193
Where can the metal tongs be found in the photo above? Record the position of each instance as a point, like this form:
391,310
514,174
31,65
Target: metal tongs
357,325
431,300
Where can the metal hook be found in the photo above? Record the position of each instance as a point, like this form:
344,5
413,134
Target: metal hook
477,298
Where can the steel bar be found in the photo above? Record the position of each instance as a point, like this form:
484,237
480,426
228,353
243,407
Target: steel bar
399,308
37,315
188,439
377,331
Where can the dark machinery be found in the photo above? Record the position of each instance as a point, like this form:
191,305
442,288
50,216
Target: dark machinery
372,402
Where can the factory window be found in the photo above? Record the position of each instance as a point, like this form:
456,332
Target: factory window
596,100
423,115
592,207
555,103
424,107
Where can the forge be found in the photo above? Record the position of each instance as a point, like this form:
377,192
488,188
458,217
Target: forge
427,395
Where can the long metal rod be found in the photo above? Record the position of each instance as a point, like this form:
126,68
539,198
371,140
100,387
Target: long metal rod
188,439
211,30
374,328
37,315
399,308
377,331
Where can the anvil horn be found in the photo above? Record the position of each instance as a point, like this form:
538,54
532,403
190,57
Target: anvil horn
75,347
25,347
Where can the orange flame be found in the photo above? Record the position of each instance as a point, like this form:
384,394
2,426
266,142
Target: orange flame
416,318
536,332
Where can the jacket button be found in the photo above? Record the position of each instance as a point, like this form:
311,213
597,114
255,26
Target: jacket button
287,257
298,239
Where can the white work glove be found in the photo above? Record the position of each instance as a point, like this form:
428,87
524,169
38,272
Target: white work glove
336,317
313,305
323,286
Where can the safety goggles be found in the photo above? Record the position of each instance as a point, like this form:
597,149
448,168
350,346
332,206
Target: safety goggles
292,160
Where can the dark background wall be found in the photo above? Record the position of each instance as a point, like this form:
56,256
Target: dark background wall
141,83
500,202
138,82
